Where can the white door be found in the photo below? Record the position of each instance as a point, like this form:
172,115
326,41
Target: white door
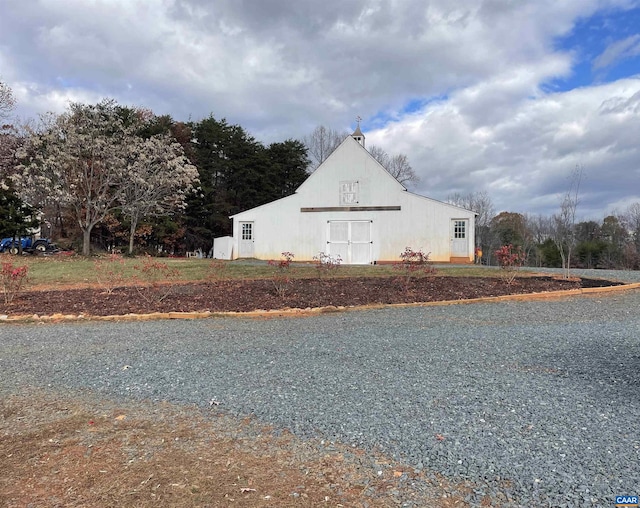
245,249
460,238
351,240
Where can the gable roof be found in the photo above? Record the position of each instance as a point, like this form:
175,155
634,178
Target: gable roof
350,148
349,143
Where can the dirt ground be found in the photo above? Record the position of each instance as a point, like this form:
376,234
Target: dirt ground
76,451
71,450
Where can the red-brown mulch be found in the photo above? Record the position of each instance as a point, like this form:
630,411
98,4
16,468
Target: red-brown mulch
263,294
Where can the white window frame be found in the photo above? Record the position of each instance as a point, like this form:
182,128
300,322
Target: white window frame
349,192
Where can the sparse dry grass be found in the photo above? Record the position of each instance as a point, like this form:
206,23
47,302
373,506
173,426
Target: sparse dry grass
77,271
76,451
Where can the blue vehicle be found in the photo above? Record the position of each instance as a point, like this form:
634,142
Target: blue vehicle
39,246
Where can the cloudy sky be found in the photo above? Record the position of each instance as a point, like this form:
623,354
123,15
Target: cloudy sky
502,96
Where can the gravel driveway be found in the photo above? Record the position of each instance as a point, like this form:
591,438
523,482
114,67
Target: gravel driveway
534,402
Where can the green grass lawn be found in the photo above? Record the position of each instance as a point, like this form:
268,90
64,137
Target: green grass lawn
62,270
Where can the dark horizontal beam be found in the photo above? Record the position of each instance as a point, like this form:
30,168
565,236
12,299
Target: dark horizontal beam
351,209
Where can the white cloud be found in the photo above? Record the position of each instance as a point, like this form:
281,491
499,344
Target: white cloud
618,50
280,68
53,100
524,160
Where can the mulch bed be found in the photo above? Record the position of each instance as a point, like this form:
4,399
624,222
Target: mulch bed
263,294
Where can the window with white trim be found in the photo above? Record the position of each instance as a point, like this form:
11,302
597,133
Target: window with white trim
247,231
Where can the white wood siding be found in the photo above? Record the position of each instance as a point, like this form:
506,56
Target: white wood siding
420,222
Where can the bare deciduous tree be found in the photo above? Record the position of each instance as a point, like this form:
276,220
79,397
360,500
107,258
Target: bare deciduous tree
632,220
398,165
380,155
479,202
321,143
539,229
565,220
7,101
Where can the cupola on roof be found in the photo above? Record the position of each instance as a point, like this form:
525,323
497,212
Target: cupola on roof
357,134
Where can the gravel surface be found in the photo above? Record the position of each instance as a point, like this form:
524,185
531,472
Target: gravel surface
534,403
620,275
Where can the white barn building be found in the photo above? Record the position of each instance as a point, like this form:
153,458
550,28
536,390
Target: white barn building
352,207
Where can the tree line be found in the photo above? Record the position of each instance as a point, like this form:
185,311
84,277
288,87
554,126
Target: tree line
557,240
107,175
113,176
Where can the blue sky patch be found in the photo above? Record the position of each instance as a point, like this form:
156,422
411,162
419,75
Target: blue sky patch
606,47
382,118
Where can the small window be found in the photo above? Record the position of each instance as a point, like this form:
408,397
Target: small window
349,193
247,231
460,229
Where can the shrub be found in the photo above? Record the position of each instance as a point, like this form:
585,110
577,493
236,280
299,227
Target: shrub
413,263
155,279
281,277
13,278
327,264
215,271
510,259
110,271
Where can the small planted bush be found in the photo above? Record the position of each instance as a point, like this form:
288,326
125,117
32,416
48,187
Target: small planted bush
281,277
13,278
216,271
413,263
510,259
109,272
154,280
327,264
